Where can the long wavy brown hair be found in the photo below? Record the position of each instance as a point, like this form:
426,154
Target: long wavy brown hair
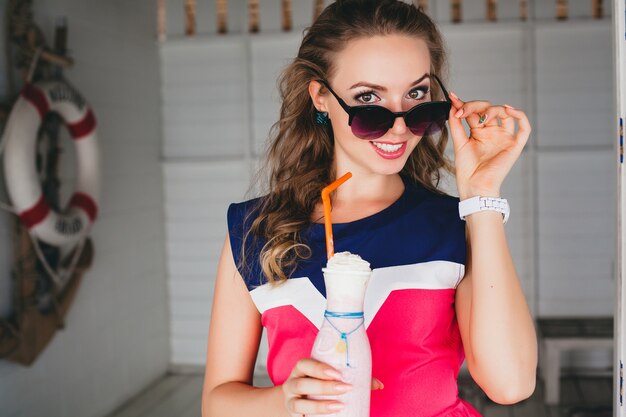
299,157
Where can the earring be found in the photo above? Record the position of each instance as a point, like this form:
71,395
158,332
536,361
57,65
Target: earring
321,118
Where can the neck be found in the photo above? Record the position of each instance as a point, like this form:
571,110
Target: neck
363,187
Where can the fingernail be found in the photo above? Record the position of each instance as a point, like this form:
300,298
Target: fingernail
453,95
509,107
333,374
459,113
343,387
335,406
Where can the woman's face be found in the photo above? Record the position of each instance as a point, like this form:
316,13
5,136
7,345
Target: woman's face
383,71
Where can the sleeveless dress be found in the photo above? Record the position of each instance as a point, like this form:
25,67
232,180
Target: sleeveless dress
417,250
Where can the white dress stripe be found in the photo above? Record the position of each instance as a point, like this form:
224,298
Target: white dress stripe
433,275
302,294
298,292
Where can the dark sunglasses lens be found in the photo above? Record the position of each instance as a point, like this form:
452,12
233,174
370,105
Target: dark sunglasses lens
428,119
372,122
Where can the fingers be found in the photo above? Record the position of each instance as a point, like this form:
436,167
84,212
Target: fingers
310,377
508,123
507,115
524,126
299,406
315,369
457,131
469,110
493,113
312,386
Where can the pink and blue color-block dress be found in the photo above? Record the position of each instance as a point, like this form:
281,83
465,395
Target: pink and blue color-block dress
417,250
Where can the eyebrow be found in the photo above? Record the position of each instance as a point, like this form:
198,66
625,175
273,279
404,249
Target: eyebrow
382,88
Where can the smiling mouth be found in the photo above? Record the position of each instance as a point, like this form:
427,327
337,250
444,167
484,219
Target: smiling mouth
388,147
389,150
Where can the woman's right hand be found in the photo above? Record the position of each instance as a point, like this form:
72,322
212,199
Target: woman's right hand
312,377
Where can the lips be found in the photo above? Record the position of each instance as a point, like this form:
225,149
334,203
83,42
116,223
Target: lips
389,150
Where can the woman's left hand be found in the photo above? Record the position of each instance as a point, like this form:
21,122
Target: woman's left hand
485,158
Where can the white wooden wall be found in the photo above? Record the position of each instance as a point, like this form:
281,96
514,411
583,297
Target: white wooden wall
116,339
219,101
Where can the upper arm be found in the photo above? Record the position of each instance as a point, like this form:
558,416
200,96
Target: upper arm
463,305
235,328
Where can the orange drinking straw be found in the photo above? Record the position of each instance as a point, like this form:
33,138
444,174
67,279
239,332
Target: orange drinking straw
328,224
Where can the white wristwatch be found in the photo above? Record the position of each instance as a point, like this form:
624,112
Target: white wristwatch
478,203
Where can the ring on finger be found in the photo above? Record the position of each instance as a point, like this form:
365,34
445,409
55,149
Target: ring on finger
482,118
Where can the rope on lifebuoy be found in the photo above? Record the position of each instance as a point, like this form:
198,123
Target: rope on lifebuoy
69,228
60,279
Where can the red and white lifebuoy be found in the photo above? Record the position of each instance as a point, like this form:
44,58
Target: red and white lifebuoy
21,175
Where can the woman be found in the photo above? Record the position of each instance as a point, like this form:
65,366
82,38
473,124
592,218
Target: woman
447,289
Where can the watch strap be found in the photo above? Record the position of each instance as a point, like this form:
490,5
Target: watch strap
478,203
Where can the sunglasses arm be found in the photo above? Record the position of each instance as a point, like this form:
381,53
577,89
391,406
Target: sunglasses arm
341,102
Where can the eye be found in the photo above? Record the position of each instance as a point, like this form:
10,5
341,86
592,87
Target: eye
365,97
419,93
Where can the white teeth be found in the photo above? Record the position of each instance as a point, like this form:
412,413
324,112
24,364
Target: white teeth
387,147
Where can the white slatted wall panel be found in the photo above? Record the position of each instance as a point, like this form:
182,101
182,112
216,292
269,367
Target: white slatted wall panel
488,61
576,221
574,68
576,184
197,196
204,98
269,55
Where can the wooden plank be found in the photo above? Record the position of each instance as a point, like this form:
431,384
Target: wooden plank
286,15
318,6
222,16
523,9
597,10
150,397
190,17
194,408
179,400
492,10
161,21
423,4
456,13
253,16
561,9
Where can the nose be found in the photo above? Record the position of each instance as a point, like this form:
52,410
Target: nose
399,126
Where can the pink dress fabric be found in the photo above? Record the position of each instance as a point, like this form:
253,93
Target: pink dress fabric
417,358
